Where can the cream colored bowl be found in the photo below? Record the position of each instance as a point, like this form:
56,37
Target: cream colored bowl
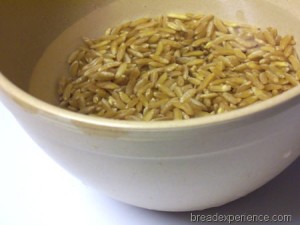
172,166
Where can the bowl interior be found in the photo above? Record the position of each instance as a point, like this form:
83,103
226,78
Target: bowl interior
38,37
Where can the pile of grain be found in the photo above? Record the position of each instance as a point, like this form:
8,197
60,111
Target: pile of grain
178,67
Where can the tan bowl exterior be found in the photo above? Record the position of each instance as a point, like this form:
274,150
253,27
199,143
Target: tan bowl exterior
170,166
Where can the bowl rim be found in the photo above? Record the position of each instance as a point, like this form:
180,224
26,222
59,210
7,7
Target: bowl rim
24,98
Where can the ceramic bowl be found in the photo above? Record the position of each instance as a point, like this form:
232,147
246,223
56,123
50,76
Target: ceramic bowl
169,166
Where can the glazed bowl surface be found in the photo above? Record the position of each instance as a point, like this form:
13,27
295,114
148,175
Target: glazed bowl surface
172,165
